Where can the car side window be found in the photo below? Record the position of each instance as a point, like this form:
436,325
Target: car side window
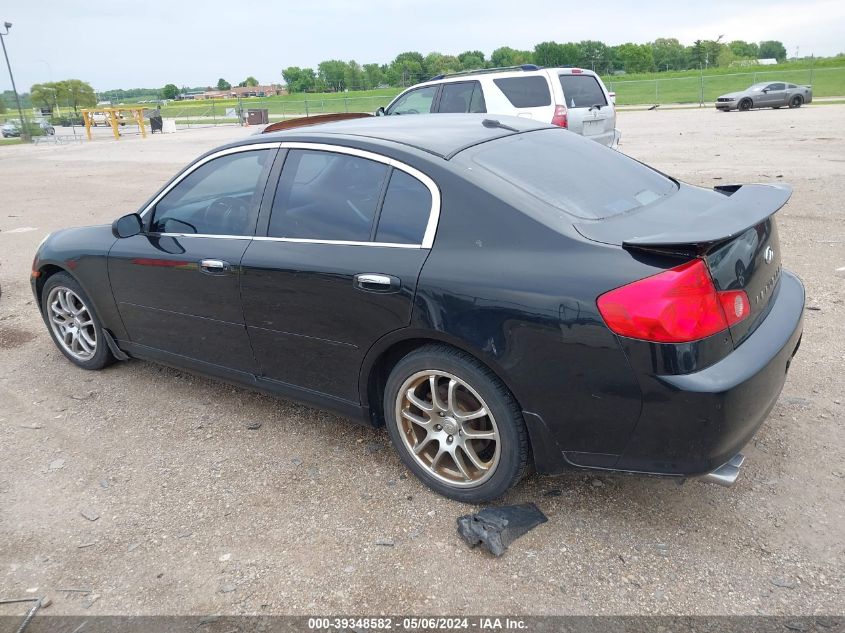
477,103
525,92
220,197
415,101
327,196
405,211
458,97
776,86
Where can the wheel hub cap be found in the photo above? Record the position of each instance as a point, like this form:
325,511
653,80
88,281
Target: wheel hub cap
72,323
447,428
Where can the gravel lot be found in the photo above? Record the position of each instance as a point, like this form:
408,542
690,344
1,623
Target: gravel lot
145,485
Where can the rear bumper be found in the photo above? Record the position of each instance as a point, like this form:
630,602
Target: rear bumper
692,424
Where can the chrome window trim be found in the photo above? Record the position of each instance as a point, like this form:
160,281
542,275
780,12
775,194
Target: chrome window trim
433,216
189,170
303,240
431,226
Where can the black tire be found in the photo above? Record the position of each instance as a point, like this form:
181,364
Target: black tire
102,356
776,107
745,105
796,102
513,444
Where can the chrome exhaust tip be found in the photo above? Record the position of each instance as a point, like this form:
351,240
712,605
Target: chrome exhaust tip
726,475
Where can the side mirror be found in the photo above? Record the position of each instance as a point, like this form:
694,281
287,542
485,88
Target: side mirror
765,90
127,226
380,111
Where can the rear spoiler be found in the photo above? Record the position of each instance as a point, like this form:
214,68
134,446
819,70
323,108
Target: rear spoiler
684,222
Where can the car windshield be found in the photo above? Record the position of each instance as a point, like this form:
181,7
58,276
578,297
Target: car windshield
569,174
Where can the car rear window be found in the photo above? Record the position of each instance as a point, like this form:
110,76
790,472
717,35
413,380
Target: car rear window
525,92
582,91
570,174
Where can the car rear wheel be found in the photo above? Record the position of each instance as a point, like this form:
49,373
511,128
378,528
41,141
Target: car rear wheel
745,105
796,102
72,324
455,425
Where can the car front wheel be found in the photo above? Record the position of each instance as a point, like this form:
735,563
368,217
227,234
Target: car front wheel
745,105
72,324
455,425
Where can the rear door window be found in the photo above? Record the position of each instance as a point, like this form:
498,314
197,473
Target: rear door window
582,91
415,101
405,212
327,196
459,97
525,92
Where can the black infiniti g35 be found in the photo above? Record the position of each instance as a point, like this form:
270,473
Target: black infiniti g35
496,292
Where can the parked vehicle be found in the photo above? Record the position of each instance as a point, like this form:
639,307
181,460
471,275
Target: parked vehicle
572,98
47,128
768,94
11,129
493,291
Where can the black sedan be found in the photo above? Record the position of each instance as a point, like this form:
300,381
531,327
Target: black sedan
496,292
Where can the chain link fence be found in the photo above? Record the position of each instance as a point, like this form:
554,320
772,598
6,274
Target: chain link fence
701,89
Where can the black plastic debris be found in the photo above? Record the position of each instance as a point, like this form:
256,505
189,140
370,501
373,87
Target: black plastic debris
498,527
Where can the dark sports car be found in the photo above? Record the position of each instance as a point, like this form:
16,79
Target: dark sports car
496,292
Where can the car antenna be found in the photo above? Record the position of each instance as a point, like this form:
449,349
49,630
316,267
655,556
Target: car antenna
494,123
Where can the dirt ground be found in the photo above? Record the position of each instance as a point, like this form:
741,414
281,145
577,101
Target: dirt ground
195,513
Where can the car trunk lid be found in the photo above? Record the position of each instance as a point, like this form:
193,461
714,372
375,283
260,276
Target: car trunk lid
732,229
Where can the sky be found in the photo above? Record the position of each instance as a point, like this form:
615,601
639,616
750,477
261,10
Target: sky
119,44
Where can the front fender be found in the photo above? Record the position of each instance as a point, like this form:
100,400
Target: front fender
82,253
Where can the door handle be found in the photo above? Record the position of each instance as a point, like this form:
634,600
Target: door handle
377,282
214,266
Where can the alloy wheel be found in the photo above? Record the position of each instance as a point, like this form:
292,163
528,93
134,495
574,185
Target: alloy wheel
447,428
72,323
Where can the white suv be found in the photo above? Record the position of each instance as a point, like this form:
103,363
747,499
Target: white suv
573,98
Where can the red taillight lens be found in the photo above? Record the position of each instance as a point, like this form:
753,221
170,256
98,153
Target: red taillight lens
675,306
559,117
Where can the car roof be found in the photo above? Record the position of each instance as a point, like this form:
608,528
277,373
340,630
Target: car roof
443,135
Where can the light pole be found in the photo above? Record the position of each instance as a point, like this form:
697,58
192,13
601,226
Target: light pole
24,130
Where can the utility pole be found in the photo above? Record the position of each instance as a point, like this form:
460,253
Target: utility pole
24,129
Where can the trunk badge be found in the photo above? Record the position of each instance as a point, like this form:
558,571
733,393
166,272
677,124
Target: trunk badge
769,254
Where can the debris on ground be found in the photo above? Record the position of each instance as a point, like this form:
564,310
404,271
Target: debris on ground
253,426
500,526
90,513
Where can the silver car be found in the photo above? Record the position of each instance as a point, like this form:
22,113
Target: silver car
775,94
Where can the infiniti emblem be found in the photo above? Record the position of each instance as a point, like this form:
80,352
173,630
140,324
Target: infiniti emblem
769,254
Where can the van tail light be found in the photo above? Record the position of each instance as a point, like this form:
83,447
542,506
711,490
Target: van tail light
559,117
678,305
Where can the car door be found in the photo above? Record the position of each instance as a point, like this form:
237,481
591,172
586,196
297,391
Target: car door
418,101
775,94
461,97
177,285
336,266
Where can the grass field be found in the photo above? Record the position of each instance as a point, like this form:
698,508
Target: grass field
666,87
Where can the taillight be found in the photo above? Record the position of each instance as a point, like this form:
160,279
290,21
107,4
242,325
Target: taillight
676,306
559,117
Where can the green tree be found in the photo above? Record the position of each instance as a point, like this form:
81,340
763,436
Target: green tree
471,60
2,105
353,76
170,91
44,95
593,54
634,58
772,49
373,76
697,53
669,54
332,73
552,54
222,84
507,56
76,93
408,68
438,64
744,50
249,82
299,79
